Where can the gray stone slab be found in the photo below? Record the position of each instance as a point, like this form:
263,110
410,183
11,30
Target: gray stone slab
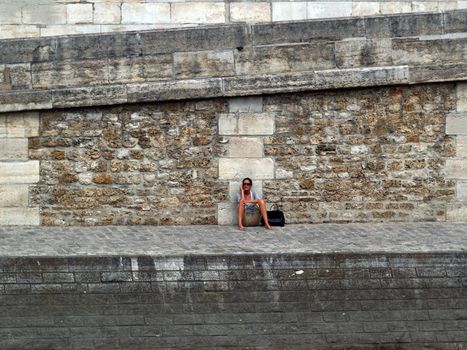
439,72
93,96
455,21
404,25
25,100
294,32
185,240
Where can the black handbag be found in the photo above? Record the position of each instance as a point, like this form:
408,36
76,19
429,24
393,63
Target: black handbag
275,217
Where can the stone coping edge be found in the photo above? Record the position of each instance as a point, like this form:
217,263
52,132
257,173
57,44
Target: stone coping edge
229,86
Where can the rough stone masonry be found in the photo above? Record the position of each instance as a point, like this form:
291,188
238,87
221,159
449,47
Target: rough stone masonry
345,120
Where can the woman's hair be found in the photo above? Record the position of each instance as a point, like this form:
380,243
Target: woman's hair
247,178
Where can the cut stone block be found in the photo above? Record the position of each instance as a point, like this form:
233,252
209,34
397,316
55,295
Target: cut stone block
19,216
44,14
424,6
145,13
19,172
79,13
246,147
288,11
456,168
10,13
70,29
462,97
199,12
105,13
19,124
447,5
462,5
395,7
246,124
461,147
456,212
234,188
238,168
19,31
329,9
461,191
364,8
456,124
227,214
253,104
250,12
14,195
204,64
13,148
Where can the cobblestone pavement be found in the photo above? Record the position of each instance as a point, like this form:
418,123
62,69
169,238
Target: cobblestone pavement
181,240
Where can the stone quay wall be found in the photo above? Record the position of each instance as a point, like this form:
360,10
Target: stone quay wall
260,301
374,154
25,18
344,120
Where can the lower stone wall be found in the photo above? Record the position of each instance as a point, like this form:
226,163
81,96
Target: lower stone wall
293,301
362,155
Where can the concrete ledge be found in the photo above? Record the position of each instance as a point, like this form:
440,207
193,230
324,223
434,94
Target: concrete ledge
232,60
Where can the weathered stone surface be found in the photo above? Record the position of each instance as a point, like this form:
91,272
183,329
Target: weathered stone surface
456,124
79,13
454,22
461,191
237,168
19,124
15,77
288,11
326,79
246,147
107,13
461,147
14,195
250,104
404,25
329,9
456,212
11,14
250,12
62,75
226,214
139,69
365,8
198,12
363,53
19,216
93,96
439,72
25,100
204,64
296,58
246,124
462,97
44,14
22,31
337,29
456,168
182,89
395,7
13,148
141,13
19,172
428,52
425,6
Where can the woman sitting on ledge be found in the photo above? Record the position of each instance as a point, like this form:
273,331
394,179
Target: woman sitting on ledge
250,206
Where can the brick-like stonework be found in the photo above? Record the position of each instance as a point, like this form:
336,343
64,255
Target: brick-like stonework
235,300
376,154
52,17
17,172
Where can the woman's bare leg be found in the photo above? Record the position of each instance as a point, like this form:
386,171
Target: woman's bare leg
241,211
264,213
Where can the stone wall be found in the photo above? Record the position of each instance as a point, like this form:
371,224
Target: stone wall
48,17
256,301
375,154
